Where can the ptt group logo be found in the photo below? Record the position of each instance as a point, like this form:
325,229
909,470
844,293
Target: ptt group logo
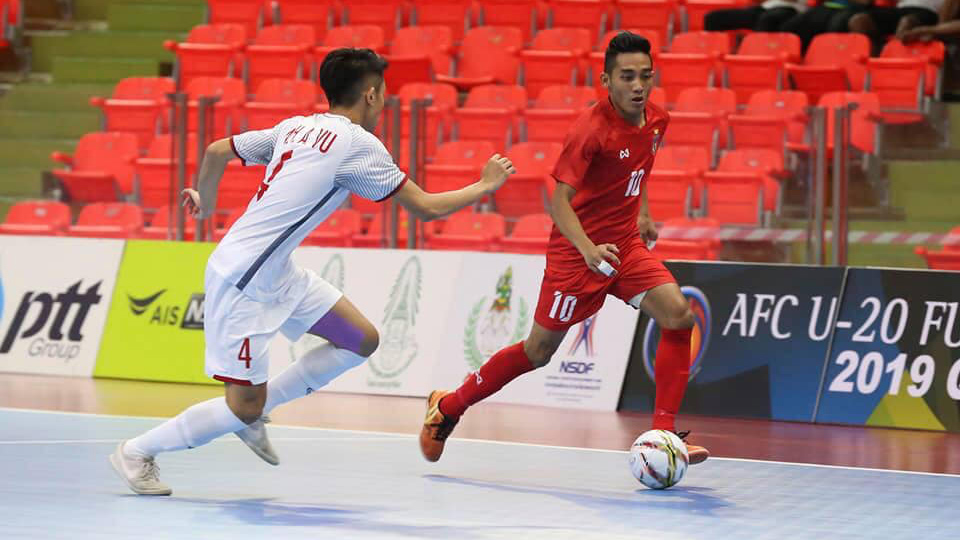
699,340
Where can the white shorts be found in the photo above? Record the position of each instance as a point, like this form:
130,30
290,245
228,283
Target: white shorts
238,329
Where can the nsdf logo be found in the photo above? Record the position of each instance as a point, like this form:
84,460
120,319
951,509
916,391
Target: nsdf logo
189,317
699,340
52,322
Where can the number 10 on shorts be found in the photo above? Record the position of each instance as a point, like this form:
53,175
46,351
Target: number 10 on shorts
563,306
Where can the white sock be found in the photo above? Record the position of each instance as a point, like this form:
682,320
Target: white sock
194,427
313,371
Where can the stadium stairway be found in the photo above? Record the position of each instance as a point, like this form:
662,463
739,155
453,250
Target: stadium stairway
106,41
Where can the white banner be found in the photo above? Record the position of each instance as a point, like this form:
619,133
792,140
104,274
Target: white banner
441,315
54,298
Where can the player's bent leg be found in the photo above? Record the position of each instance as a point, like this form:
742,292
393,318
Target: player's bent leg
247,402
199,424
444,408
667,305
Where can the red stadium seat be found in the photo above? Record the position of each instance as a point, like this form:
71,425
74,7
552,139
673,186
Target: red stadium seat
321,15
518,14
693,160
592,15
944,259
337,230
670,193
377,234
456,165
772,120
933,52
491,113
864,122
677,72
833,63
37,218
531,235
163,226
734,198
439,114
248,13
455,15
238,185
696,10
280,52
684,250
108,220
524,192
488,55
387,14
227,111
715,44
211,50
157,171
558,56
101,168
555,110
138,106
279,99
764,161
648,17
434,43
899,84
759,63
468,231
695,129
365,36
721,102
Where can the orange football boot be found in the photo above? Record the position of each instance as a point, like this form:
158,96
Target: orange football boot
696,454
436,427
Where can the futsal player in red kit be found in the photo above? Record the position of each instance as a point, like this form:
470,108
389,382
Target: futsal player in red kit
598,247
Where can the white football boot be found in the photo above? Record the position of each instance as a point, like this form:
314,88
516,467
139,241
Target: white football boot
255,437
142,475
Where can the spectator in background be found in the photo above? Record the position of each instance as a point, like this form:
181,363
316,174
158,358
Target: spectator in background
830,16
948,27
879,22
764,16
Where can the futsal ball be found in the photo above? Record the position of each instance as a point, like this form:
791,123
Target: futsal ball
658,459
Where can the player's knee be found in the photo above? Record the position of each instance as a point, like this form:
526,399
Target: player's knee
248,411
369,342
539,353
679,319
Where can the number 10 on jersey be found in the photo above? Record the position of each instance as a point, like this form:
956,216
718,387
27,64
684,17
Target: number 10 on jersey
633,188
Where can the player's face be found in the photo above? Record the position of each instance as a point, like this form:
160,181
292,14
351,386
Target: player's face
375,98
630,82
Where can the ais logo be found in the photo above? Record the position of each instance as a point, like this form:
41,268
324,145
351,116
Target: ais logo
699,340
169,314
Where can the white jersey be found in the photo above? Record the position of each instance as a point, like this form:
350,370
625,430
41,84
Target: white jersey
313,163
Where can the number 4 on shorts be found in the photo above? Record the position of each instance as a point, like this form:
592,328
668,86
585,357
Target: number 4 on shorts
244,355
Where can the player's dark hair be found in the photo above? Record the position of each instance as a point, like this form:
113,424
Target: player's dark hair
624,42
345,74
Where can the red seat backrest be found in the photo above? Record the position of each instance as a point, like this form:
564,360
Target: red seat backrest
533,226
472,153
53,213
693,159
779,44
709,43
294,91
535,157
764,160
160,147
221,34
230,91
566,97
114,213
785,103
360,36
144,88
491,51
286,34
722,101
443,96
837,49
109,152
343,220
575,40
474,224
497,96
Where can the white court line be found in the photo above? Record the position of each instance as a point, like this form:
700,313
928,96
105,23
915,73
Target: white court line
403,436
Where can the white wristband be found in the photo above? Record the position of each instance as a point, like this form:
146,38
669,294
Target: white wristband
651,243
605,268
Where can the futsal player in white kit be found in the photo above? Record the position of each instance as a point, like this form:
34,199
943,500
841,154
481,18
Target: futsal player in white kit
253,288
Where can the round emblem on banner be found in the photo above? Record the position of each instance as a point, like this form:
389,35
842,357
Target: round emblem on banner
699,339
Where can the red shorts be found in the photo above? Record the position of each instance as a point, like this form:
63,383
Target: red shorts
571,294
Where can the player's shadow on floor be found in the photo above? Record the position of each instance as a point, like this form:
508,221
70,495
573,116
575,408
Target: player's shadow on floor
266,512
691,498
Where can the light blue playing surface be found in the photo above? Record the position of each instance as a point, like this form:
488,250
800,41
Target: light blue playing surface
56,482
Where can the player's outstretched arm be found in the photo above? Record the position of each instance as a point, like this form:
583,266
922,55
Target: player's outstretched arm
569,224
201,202
429,206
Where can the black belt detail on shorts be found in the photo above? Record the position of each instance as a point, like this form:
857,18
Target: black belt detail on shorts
281,239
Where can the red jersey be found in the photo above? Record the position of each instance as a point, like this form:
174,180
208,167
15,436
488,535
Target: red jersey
606,160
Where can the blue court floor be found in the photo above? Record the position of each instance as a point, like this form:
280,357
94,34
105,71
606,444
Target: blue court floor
56,482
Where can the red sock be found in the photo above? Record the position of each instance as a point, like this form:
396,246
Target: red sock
672,371
503,367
